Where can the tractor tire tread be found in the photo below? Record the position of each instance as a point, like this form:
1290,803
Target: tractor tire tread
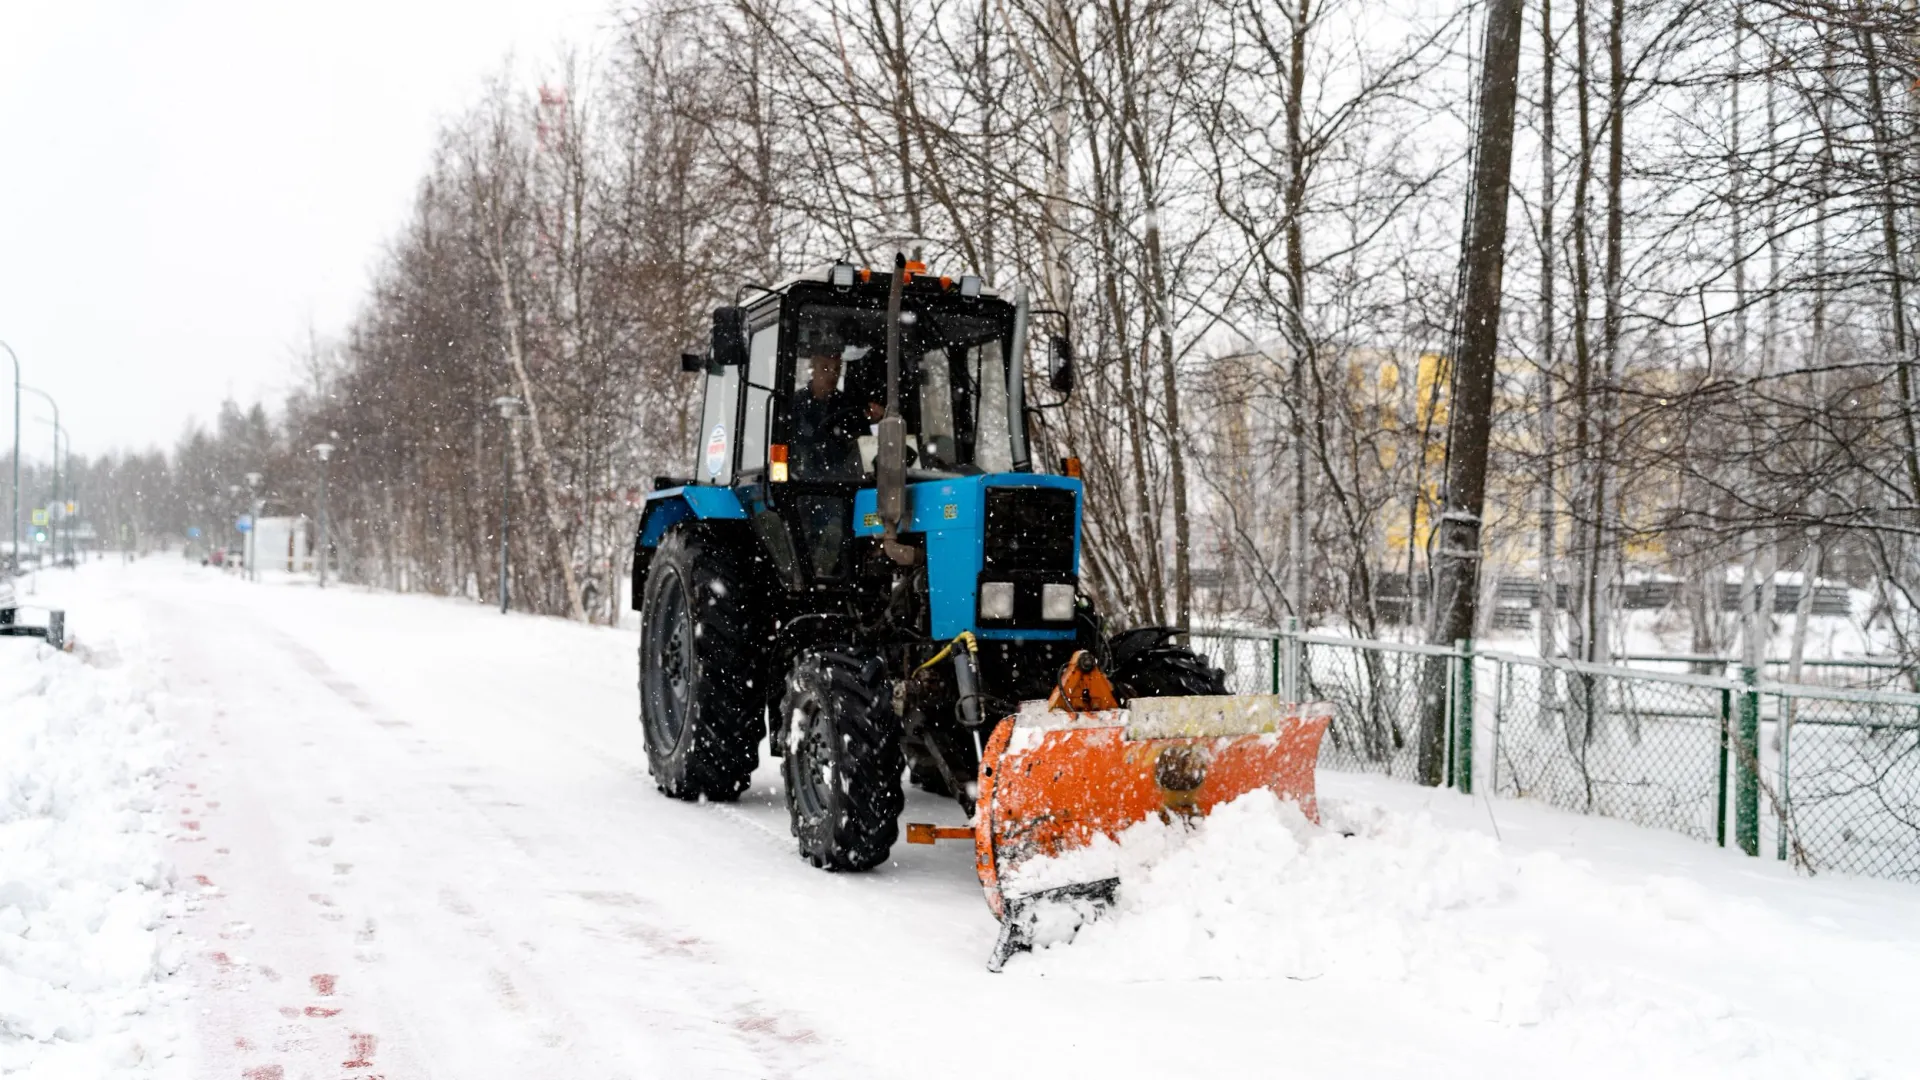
1147,663
852,696
724,743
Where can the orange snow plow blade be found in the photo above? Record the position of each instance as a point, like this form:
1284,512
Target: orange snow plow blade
1053,778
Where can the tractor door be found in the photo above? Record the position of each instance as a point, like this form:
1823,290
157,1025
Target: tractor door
719,423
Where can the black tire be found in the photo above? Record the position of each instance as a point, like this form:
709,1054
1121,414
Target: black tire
701,714
843,760
1147,663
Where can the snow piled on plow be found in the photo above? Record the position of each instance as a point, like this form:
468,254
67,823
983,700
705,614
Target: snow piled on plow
1391,906
83,880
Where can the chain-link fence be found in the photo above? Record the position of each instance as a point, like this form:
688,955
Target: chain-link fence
1645,747
1848,775
1827,777
1374,687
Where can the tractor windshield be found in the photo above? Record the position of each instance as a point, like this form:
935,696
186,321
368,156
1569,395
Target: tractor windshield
953,392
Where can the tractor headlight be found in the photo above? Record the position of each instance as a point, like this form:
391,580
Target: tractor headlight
996,600
1056,603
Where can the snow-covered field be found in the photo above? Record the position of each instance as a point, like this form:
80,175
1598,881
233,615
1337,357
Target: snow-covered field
269,831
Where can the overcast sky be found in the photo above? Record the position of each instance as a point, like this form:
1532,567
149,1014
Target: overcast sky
186,186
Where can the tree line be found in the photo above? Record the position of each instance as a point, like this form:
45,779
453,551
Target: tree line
1251,211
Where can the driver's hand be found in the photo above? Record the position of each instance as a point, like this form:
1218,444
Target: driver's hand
875,410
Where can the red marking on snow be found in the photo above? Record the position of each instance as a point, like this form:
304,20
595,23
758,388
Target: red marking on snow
770,1026
193,787
242,1044
202,879
323,985
264,1072
192,826
322,1013
362,1053
289,1011
221,960
211,805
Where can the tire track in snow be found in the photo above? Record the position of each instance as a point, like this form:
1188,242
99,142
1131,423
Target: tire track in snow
779,1041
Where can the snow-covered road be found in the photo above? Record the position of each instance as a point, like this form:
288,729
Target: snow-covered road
421,842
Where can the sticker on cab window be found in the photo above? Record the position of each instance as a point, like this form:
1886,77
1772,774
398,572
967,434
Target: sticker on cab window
717,450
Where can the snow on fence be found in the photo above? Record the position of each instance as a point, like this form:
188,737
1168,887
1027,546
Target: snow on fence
1825,777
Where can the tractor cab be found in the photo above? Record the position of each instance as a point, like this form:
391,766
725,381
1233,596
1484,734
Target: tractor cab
796,390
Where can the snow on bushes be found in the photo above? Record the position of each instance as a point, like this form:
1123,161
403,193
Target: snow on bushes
83,882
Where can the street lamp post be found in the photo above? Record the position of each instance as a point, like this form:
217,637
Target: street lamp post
508,407
55,546
253,526
325,450
13,557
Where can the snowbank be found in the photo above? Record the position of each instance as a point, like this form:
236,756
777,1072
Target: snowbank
1397,909
83,882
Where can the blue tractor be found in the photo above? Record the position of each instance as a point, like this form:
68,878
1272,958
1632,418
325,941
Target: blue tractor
867,569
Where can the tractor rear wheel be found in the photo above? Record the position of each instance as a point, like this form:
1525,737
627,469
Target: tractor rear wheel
701,716
1147,663
843,760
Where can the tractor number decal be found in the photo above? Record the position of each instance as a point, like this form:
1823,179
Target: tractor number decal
950,511
717,450
871,521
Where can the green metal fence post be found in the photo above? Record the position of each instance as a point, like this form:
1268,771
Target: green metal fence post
1502,686
1783,719
1727,721
1746,825
1276,666
1463,720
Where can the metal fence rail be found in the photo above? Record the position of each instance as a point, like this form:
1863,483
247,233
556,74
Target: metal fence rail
1828,776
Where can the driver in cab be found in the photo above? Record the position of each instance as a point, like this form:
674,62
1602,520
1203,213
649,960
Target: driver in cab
827,419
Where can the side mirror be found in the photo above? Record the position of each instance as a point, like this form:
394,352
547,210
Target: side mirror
729,336
1060,369
693,358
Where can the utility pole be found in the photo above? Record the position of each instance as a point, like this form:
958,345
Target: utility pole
507,406
325,451
1470,417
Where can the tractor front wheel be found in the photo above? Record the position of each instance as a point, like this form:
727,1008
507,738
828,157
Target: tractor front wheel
843,759
701,716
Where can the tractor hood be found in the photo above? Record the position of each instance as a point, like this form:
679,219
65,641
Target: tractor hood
1003,552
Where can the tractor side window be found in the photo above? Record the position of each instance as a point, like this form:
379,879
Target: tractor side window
753,431
715,462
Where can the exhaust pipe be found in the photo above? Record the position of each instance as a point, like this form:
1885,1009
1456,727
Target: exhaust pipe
890,462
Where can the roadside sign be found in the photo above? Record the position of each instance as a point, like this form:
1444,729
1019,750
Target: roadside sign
245,524
72,508
40,517
193,532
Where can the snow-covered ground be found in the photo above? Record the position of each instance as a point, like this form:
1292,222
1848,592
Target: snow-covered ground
85,886
409,837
